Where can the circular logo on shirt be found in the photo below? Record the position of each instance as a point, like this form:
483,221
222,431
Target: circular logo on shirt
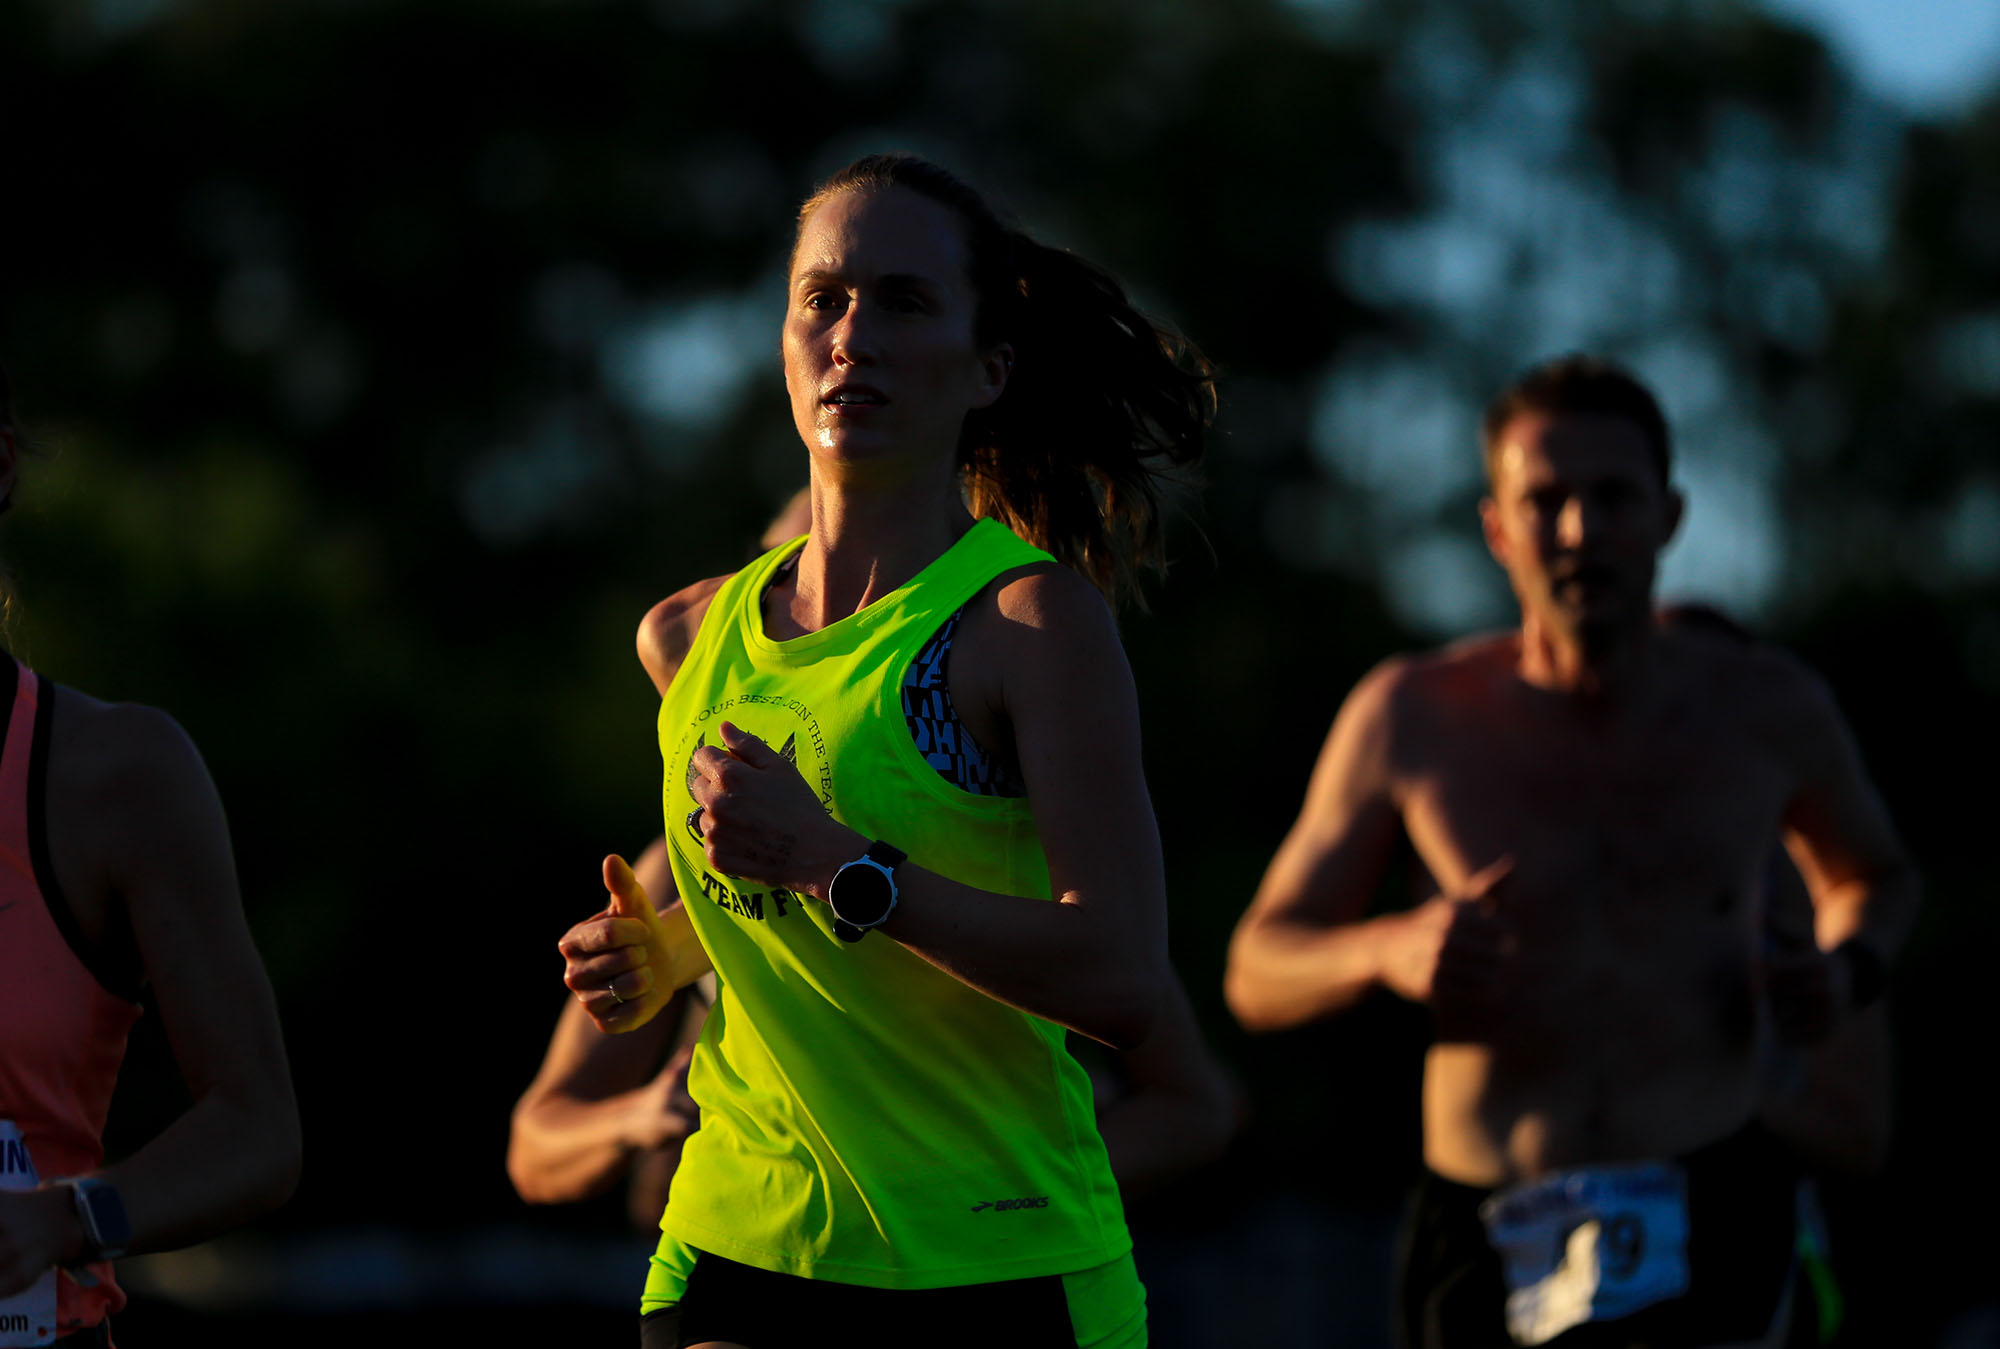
784,723
788,726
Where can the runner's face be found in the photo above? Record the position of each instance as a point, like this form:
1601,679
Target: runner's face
1578,516
880,355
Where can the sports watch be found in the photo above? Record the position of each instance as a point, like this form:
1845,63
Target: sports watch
863,892
101,1210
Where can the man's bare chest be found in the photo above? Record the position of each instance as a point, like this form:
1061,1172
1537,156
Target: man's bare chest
1677,820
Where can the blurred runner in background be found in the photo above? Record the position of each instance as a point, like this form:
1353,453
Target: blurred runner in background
117,883
1596,801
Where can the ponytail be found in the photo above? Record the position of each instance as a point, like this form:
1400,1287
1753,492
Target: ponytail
1102,405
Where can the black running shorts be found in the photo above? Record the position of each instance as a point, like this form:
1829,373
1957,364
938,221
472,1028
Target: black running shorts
742,1305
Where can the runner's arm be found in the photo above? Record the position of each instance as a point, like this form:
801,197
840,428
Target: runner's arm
1180,1107
1838,832
1095,960
598,1099
649,952
1302,950
141,822
1832,1100
626,962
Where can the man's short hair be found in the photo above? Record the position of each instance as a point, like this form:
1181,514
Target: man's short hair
1579,383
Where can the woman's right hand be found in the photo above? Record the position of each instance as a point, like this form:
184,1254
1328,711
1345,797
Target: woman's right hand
626,961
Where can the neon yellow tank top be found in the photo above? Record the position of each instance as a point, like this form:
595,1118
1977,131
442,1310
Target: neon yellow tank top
865,1117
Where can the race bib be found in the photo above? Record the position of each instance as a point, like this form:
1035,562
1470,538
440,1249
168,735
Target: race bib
29,1316
1589,1245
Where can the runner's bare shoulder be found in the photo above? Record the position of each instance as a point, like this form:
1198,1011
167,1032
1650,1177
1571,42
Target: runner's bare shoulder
1476,658
1409,705
1775,696
1458,677
110,757
126,786
669,627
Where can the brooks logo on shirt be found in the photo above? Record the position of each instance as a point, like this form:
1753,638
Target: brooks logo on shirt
1002,1205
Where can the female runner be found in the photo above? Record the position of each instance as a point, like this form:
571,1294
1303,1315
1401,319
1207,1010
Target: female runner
907,821
116,876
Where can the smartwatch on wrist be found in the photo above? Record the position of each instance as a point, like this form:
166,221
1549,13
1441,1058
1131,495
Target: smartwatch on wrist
863,892
101,1211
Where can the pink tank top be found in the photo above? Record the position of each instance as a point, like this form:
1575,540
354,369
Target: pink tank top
62,1028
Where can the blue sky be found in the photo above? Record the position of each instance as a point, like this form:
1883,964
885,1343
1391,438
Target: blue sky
1934,57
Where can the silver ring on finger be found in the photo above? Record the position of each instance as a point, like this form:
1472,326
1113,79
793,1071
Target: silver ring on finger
694,823
617,998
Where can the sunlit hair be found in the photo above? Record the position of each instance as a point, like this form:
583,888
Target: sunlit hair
1578,383
1102,404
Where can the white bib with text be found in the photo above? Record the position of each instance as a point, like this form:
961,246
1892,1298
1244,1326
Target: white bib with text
1589,1245
29,1316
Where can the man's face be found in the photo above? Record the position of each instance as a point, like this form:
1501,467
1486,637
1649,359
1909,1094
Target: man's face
1577,517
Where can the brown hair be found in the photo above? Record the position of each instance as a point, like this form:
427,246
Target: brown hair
1579,383
1102,405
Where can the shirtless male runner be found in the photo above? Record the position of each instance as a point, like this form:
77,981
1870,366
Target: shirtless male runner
1595,801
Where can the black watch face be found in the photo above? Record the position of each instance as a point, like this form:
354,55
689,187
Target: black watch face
107,1217
860,895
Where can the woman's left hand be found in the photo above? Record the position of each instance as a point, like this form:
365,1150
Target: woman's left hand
759,820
